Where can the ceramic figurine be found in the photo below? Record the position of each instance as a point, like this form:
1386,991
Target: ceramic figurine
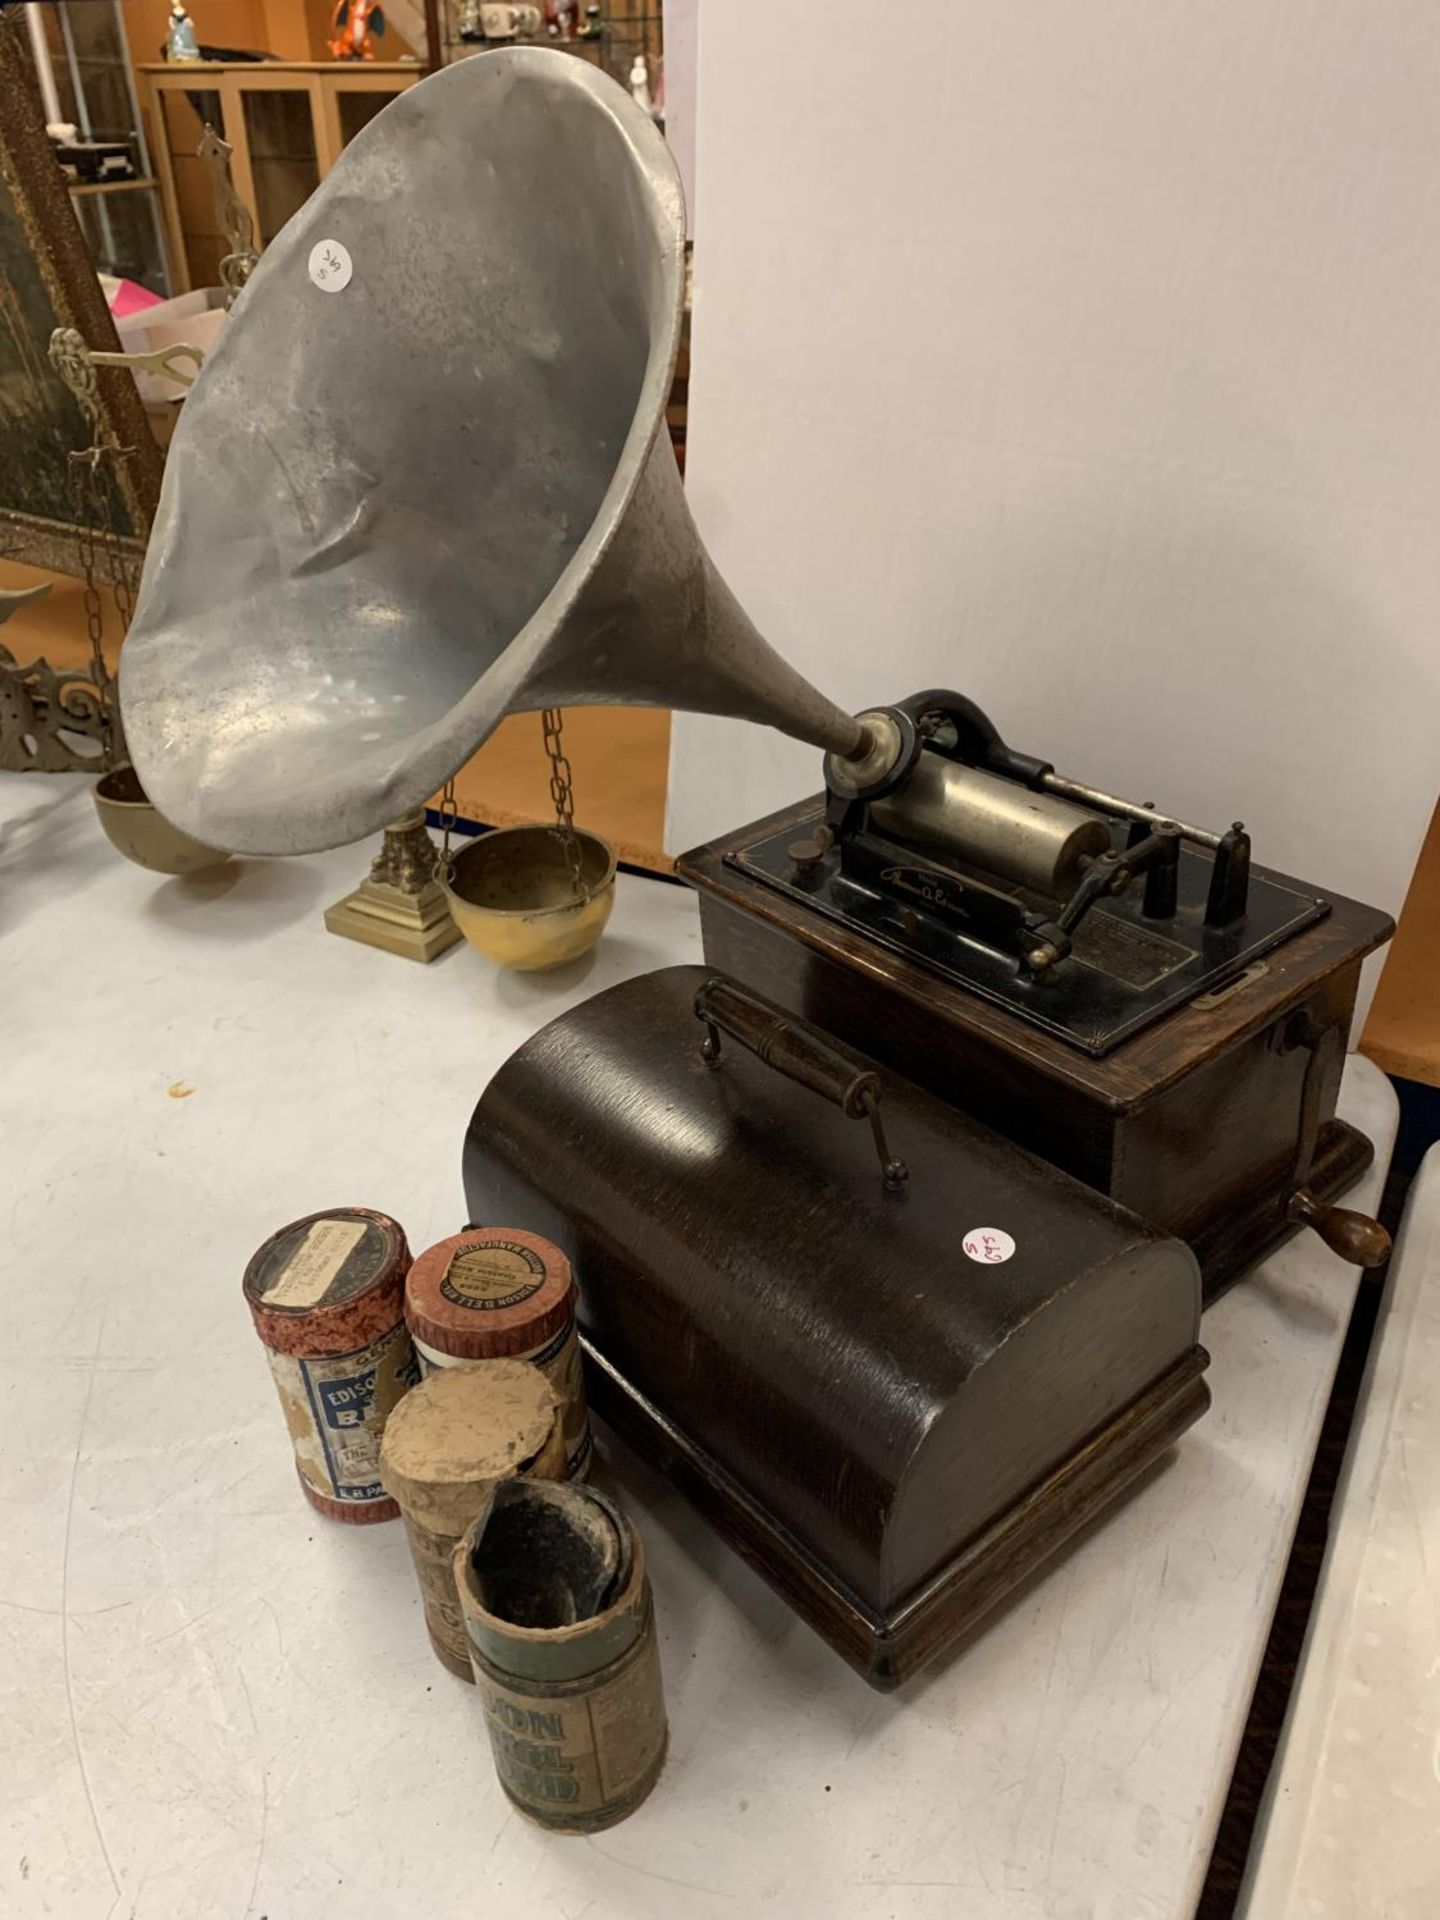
505,22
180,42
354,21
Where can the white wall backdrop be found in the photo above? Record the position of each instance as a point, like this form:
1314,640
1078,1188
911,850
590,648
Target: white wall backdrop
682,51
1087,361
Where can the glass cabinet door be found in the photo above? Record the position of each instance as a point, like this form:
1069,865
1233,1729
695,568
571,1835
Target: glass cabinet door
284,163
184,115
358,109
119,229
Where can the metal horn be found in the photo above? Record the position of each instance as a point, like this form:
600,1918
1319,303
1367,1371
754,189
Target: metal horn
423,480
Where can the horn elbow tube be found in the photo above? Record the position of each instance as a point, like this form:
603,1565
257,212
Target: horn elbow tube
870,760
857,742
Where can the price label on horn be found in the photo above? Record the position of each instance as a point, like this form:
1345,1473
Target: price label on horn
331,267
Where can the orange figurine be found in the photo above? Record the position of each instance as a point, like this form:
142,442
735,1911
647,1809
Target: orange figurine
353,22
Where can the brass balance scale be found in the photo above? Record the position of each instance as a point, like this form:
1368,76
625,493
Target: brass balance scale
528,898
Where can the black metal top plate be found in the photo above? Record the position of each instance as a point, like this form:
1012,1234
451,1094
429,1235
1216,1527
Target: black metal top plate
1124,973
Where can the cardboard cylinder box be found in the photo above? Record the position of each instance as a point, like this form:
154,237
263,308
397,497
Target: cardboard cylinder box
448,1446
493,1293
561,1629
327,1294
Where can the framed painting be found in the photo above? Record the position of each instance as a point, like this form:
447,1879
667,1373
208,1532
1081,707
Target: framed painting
47,280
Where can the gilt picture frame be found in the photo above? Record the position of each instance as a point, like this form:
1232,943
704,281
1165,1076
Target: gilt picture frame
48,280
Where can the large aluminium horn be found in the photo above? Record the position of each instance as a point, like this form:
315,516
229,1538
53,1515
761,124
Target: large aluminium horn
423,481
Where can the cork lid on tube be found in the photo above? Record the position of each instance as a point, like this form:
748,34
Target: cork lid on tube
453,1438
488,1292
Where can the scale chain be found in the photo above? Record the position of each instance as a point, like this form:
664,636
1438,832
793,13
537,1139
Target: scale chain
94,525
553,721
449,813
95,471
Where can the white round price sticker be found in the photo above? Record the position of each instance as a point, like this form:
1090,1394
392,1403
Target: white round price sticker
331,265
988,1245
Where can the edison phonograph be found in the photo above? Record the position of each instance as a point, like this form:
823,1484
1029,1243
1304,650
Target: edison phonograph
421,483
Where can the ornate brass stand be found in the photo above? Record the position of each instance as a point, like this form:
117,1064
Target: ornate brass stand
67,720
52,720
234,216
400,905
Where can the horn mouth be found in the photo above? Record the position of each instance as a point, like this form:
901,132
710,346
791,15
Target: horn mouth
383,501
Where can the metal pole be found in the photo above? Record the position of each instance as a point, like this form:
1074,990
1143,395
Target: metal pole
142,154
1127,809
44,71
82,115
82,110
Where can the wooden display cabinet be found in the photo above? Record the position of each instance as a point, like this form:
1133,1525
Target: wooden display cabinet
286,121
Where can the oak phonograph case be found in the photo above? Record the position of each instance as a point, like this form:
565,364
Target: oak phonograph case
890,1221
896,1380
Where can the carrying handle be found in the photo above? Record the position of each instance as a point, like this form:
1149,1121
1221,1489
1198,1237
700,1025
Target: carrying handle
1354,1236
797,1051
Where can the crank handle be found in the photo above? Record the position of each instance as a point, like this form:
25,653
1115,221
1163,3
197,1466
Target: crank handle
1354,1236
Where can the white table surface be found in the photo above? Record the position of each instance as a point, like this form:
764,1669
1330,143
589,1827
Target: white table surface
1351,1825
215,1703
